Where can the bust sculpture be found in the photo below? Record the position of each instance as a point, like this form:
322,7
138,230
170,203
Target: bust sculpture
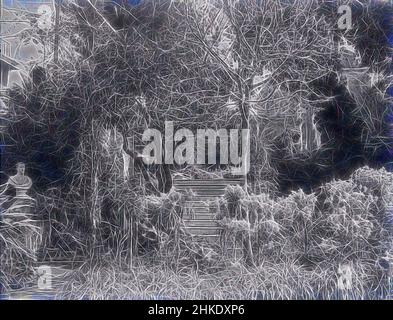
20,182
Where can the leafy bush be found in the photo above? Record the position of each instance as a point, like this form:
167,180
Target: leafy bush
342,223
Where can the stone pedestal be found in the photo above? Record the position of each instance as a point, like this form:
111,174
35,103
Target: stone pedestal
22,236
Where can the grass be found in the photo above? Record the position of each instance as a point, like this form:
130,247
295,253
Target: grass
236,281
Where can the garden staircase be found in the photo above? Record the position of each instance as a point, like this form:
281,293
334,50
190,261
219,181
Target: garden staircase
199,217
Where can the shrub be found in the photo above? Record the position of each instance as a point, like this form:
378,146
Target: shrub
342,223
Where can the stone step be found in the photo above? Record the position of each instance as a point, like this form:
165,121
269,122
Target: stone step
209,193
197,206
199,203
218,187
201,223
203,199
205,182
210,238
191,213
199,190
199,216
204,230
198,209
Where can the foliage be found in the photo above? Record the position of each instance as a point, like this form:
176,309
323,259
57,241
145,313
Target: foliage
211,64
346,221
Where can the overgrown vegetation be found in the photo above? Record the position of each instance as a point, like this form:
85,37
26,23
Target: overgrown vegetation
274,68
300,246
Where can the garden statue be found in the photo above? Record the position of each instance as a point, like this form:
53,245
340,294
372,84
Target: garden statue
23,204
20,182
